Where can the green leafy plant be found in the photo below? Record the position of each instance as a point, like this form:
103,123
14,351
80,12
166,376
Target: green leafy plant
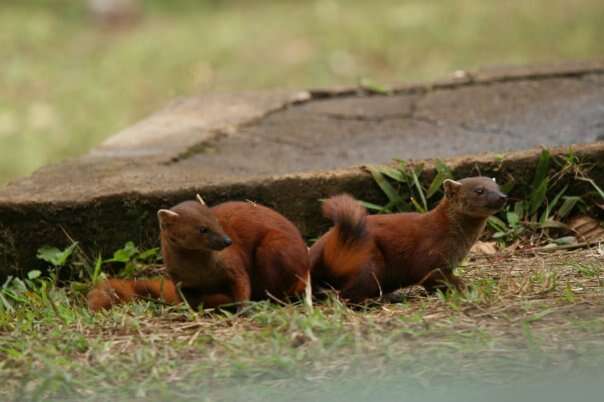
546,203
540,211
131,257
56,257
33,291
404,182
127,260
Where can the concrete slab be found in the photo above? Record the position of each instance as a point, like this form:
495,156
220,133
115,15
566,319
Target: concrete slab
264,146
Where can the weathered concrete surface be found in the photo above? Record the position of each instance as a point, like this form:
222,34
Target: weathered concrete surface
240,146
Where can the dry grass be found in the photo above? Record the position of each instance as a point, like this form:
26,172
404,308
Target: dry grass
523,317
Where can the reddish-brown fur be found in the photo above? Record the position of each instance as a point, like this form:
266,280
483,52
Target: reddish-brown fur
347,247
113,291
367,256
267,256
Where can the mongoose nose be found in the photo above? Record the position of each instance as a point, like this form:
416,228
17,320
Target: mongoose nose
227,241
497,200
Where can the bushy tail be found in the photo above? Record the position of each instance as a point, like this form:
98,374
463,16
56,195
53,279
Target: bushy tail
114,291
348,245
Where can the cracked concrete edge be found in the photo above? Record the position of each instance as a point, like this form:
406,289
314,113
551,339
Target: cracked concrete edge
105,223
484,76
198,119
191,121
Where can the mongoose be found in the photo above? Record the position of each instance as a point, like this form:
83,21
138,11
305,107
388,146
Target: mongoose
367,256
225,255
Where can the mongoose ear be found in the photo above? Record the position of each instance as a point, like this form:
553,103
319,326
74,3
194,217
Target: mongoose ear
451,187
165,216
200,200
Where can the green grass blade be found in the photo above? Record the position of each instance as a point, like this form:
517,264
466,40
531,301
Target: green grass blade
567,206
405,170
417,205
552,224
508,186
551,205
594,185
499,235
393,173
385,186
7,305
497,224
542,169
374,87
442,167
520,209
420,190
512,218
537,196
442,173
436,184
373,207
557,198
96,273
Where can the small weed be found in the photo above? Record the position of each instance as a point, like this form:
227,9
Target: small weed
125,262
568,295
588,270
372,86
56,257
131,259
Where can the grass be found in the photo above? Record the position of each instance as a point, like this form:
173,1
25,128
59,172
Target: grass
525,319
67,83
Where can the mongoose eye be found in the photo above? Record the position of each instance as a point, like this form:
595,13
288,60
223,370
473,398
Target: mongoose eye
479,191
203,230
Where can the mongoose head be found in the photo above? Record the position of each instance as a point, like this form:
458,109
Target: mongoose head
192,225
475,196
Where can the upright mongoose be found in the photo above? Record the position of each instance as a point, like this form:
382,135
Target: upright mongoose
367,256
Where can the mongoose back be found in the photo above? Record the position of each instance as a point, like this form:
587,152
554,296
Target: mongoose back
224,255
366,256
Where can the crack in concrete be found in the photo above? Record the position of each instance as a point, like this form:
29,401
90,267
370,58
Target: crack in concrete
219,134
359,117
466,127
282,141
420,91
197,149
597,79
479,129
414,114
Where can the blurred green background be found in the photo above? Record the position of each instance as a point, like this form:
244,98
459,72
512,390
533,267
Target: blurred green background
68,80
